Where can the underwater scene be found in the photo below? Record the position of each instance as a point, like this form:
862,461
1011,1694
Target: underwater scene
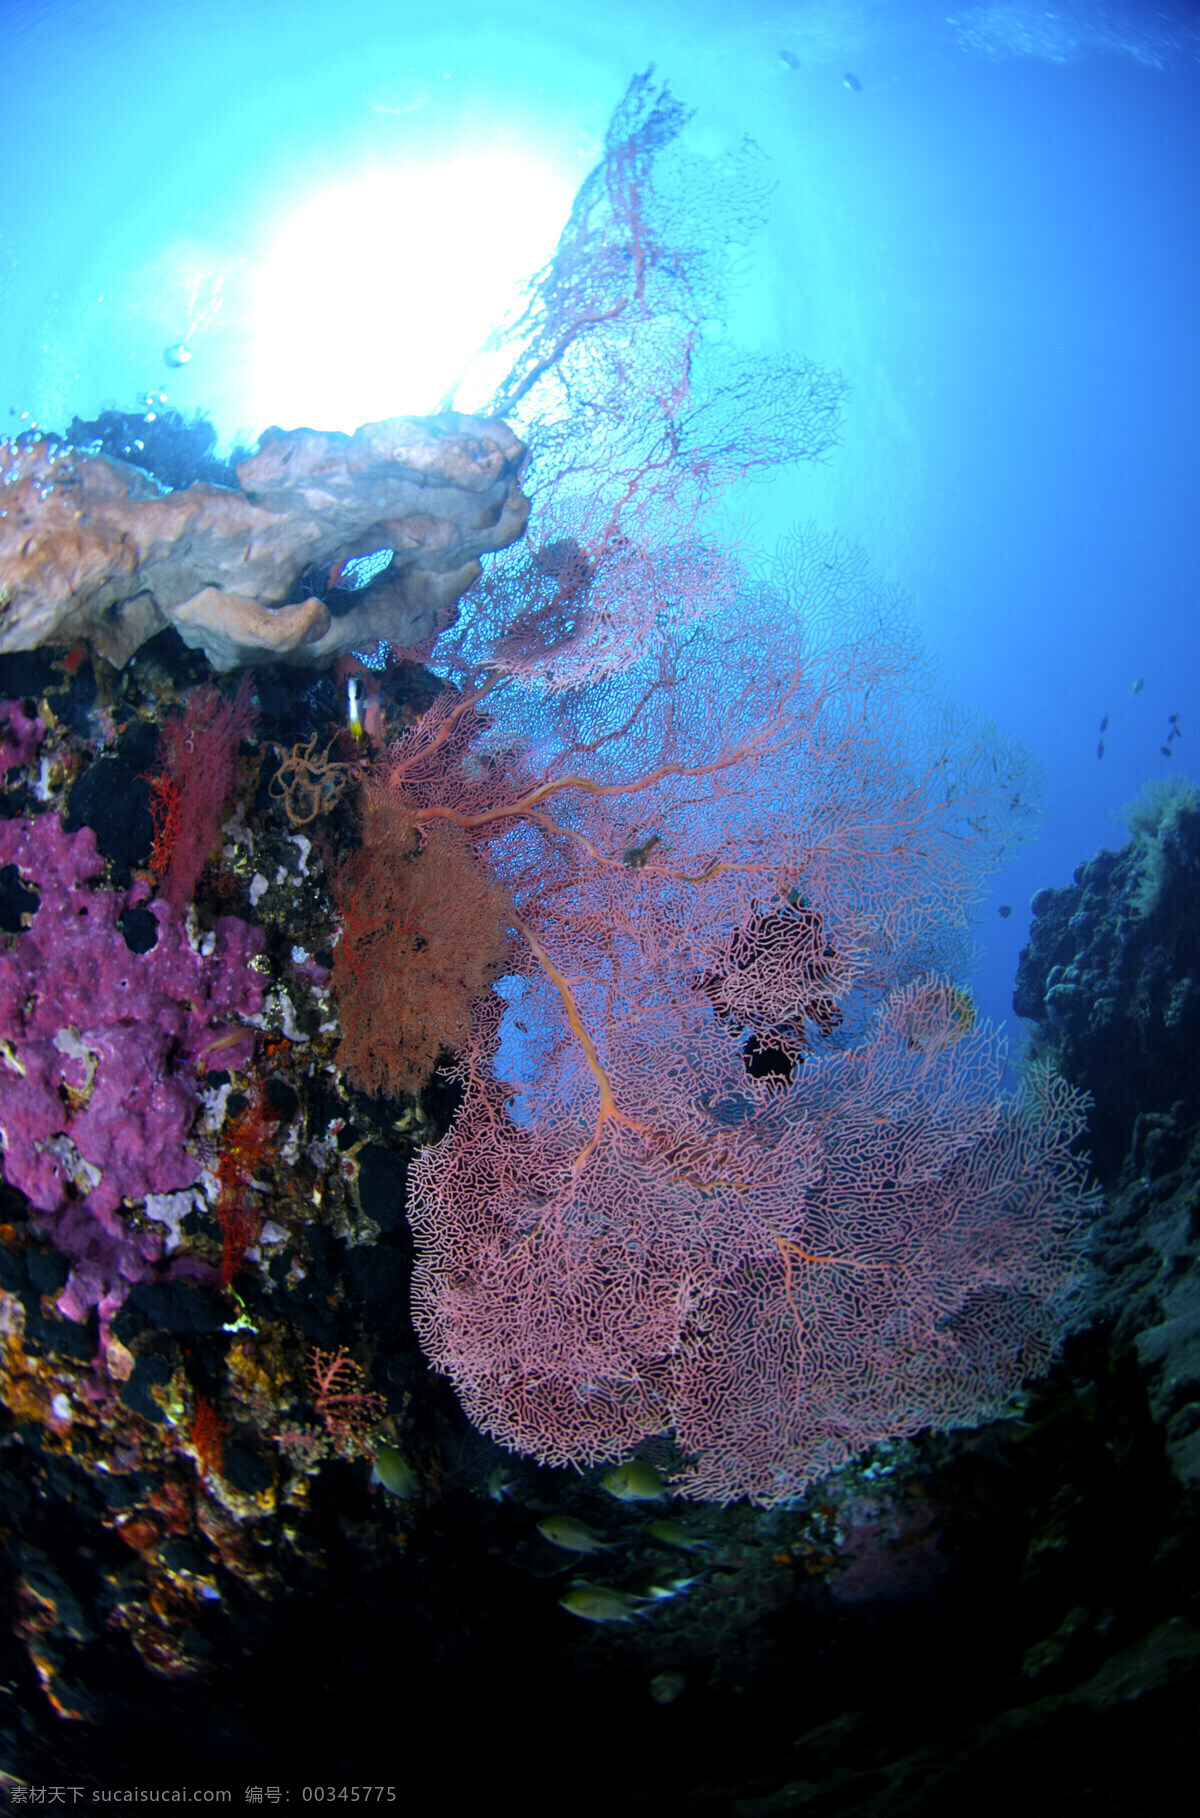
599,861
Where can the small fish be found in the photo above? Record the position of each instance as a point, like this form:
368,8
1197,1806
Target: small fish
1173,720
573,1536
849,80
674,1534
636,1481
501,1482
665,1688
1004,911
354,702
1104,724
635,856
1138,685
227,1039
662,1592
1166,750
790,58
392,1470
597,1603
1100,749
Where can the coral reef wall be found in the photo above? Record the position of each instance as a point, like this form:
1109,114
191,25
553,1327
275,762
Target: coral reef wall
1111,975
1111,982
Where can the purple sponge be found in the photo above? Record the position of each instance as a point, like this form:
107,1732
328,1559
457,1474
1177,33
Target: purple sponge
100,1049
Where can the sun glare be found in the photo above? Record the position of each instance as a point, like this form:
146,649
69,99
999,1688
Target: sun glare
373,294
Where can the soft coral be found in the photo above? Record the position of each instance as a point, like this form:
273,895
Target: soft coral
100,1047
192,783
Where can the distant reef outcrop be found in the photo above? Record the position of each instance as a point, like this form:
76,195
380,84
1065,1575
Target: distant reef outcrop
1110,981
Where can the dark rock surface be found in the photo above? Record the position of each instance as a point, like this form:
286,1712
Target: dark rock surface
1111,979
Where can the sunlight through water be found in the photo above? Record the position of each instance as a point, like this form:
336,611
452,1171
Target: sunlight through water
373,293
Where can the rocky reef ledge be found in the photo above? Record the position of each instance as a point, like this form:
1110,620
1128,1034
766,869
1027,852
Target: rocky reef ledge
94,548
1110,981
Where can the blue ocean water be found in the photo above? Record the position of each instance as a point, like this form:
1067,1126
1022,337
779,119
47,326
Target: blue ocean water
986,218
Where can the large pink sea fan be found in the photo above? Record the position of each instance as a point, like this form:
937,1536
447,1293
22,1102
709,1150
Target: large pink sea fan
775,1277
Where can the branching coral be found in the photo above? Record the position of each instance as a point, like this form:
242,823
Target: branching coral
424,932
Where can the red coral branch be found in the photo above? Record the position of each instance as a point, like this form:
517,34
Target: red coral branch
207,1433
192,783
247,1145
347,1409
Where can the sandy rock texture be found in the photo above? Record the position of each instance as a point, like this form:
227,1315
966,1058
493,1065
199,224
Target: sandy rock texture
93,548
